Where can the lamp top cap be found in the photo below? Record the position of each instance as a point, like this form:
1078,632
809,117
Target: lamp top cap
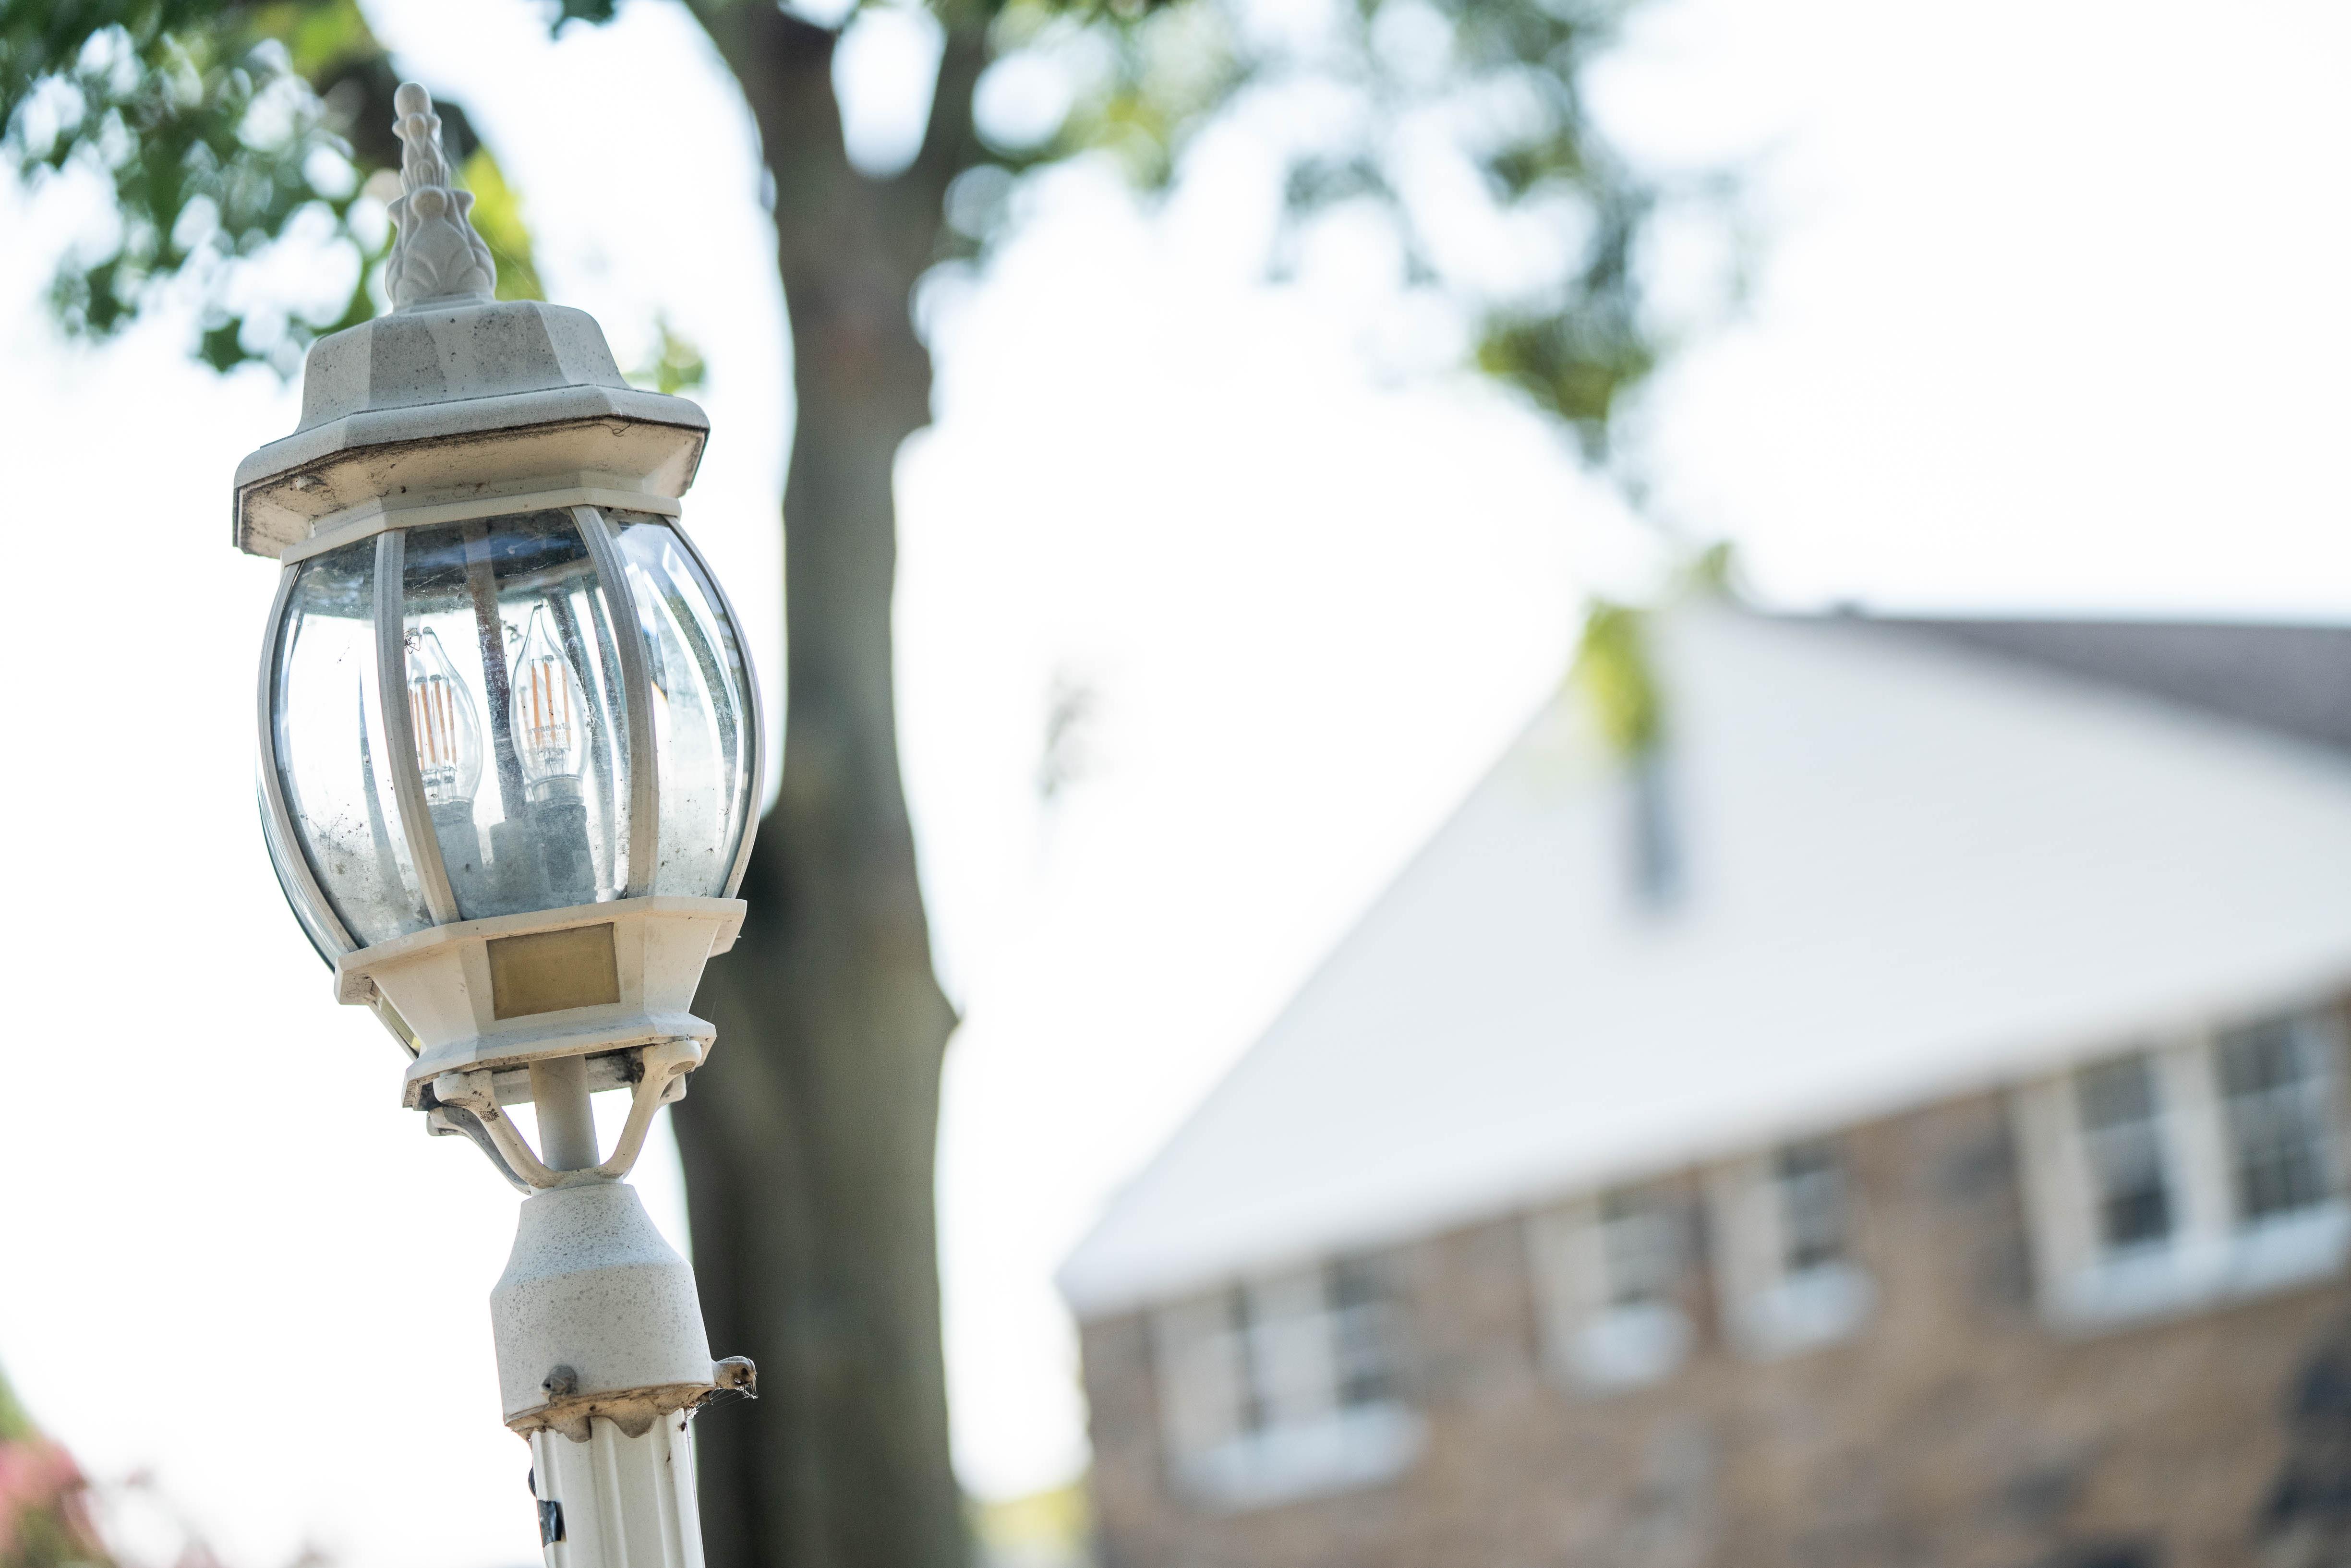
455,392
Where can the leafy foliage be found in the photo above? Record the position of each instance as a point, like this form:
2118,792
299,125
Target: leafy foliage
1459,125
1613,672
673,366
497,218
219,130
1141,79
222,129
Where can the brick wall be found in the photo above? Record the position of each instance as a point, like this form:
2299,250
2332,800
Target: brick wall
1953,1429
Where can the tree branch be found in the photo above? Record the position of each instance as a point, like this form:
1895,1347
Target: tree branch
951,143
784,63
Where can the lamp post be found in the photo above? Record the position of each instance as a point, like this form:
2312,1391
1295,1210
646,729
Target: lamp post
509,769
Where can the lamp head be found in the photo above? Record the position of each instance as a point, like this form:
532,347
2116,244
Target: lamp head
510,739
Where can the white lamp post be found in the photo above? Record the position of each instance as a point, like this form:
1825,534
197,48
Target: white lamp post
510,770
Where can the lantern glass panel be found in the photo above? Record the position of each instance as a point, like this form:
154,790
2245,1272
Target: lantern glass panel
515,704
701,708
312,918
329,733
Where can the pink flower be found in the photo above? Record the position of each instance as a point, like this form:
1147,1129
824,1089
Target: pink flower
41,1494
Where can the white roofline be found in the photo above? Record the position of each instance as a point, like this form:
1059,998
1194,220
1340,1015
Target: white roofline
2141,792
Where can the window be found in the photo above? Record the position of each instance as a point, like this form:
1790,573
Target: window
2187,1173
2122,1139
1640,1249
1286,1386
1791,1280
1206,1395
2274,1091
1363,1366
1811,1199
1609,1274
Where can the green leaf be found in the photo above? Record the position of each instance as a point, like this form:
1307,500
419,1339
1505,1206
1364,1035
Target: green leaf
218,126
15,1425
1369,103
497,218
675,365
1612,671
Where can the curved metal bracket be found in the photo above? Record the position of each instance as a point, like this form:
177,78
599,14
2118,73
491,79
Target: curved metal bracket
467,1103
456,1122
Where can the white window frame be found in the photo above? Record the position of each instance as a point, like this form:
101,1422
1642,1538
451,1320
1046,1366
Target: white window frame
2319,1034
2213,1254
1770,1308
1251,1412
1592,1339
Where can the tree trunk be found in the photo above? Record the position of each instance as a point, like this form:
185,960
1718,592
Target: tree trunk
809,1141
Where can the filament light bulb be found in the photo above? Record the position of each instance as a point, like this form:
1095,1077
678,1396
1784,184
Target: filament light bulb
550,713
440,718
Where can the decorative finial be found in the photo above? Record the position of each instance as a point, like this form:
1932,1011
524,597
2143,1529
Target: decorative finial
437,258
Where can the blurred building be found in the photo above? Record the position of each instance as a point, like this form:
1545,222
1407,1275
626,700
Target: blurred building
1901,1123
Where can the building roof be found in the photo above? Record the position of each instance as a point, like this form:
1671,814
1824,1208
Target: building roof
2295,680
1917,859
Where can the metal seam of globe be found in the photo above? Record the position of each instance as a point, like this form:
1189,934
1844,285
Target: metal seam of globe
510,768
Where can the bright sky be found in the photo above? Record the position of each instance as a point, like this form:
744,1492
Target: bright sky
2051,315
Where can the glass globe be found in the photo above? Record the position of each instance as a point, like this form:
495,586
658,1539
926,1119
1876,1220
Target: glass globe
499,715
